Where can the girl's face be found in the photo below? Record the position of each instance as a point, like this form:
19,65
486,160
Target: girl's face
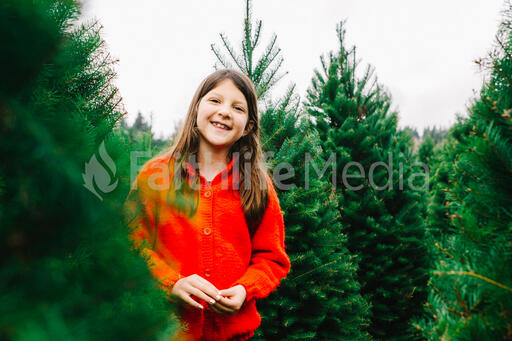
222,116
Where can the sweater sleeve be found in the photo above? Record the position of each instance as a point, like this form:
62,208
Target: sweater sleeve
269,262
141,208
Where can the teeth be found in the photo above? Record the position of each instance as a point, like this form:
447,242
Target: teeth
220,125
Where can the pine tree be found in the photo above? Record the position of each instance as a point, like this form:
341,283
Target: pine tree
381,206
431,143
67,271
141,137
319,300
471,296
432,153
263,73
426,150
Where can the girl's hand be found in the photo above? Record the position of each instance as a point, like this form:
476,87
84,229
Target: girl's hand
197,286
231,300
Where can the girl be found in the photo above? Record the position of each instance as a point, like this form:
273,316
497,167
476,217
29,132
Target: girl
217,256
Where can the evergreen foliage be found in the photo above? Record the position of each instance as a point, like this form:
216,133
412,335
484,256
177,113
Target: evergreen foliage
471,287
426,150
432,152
379,193
67,271
431,142
320,299
362,248
264,72
140,135
435,133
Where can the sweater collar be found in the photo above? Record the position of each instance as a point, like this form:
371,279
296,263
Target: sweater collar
222,175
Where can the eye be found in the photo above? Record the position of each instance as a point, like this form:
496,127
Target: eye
240,109
214,100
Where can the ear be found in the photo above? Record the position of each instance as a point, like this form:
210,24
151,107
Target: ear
249,127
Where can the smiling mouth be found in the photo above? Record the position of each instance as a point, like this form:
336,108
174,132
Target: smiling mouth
220,126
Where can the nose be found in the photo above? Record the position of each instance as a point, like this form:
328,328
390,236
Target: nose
225,111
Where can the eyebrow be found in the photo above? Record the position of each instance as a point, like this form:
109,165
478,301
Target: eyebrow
217,94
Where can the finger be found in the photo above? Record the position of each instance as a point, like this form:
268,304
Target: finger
201,281
199,294
227,292
190,300
207,287
206,282
210,288
216,309
226,303
221,309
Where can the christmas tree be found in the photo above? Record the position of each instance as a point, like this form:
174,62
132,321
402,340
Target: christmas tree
140,135
379,189
67,272
471,287
320,299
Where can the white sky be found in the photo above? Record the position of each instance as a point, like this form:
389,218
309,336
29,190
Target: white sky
423,51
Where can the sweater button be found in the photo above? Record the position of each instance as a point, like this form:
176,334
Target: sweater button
207,194
207,230
207,273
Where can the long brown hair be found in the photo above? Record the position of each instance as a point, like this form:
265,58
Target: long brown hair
253,191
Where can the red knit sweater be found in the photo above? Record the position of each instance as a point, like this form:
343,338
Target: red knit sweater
214,243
